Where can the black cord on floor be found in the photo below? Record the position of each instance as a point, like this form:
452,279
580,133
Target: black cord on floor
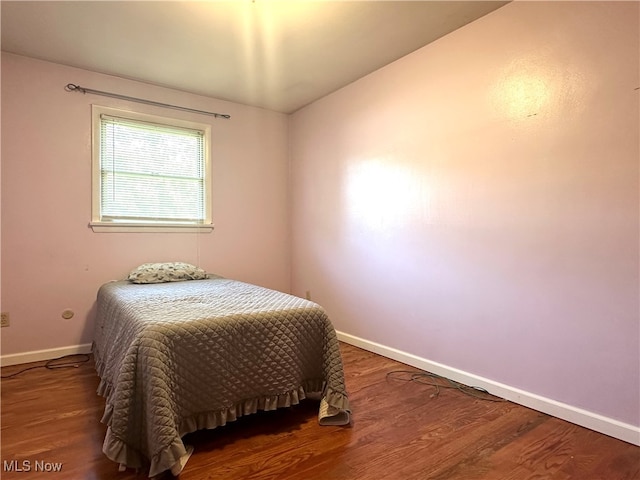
54,363
439,382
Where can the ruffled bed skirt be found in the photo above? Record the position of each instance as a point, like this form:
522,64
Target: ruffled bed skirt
334,410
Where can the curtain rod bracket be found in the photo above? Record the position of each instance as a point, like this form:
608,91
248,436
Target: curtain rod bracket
71,87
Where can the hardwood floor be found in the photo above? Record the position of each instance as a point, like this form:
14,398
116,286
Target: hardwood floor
51,420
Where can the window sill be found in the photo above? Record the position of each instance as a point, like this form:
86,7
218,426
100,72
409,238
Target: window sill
121,227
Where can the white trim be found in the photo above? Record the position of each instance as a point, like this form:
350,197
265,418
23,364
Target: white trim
599,423
120,227
39,355
97,223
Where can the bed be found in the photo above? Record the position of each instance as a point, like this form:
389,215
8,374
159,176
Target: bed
180,356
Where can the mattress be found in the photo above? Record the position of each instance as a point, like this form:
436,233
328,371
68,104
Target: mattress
178,357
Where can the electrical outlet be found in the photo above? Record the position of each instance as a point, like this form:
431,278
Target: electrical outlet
4,319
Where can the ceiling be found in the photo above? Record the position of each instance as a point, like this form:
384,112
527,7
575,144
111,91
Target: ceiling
279,55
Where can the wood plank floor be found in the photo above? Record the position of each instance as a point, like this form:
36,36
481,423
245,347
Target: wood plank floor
400,430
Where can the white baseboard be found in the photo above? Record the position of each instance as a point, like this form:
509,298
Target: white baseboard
39,355
599,423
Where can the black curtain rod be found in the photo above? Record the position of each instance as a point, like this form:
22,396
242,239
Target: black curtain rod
77,88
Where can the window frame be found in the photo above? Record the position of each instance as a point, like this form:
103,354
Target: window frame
152,226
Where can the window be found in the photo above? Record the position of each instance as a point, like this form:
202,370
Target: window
150,173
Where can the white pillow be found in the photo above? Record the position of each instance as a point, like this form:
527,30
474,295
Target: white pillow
166,272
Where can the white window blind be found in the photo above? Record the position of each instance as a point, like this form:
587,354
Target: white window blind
151,172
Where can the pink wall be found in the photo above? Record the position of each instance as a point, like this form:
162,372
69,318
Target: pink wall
476,203
52,261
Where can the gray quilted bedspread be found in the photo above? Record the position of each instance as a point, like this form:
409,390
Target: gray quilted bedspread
177,357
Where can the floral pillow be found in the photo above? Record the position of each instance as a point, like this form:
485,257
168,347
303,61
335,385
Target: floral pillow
166,272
